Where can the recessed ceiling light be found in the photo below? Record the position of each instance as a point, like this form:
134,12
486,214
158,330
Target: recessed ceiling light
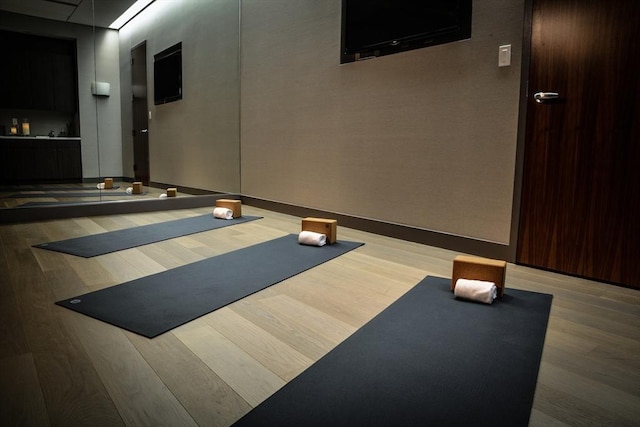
130,13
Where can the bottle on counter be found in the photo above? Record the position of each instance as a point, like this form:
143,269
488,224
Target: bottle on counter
25,127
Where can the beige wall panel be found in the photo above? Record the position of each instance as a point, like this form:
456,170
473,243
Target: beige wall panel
425,138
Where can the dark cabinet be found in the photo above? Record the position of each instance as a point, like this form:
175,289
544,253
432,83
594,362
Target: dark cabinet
19,89
42,73
34,160
64,78
43,83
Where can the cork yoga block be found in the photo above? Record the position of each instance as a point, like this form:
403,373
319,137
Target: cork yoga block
137,187
234,205
477,268
328,227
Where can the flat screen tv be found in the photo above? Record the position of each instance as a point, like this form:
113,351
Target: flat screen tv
167,75
373,28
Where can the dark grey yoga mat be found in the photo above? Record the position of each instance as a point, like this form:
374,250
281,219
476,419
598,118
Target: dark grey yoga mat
427,360
113,241
158,303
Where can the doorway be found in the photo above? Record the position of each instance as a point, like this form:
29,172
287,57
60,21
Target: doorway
140,117
580,206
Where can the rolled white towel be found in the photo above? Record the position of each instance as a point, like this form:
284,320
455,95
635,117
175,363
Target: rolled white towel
223,213
162,196
312,238
476,290
129,190
100,186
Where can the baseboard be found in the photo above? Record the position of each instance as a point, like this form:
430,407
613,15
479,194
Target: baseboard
207,198
452,242
185,190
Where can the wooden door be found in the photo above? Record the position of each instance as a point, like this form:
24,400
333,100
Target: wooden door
140,114
580,210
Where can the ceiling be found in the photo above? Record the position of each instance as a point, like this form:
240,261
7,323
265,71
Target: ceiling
74,11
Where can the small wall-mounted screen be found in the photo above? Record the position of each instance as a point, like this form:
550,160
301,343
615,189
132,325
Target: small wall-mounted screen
167,75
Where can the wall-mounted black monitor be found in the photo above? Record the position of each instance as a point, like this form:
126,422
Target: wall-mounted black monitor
373,28
167,75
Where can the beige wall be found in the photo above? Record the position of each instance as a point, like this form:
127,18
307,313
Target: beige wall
425,138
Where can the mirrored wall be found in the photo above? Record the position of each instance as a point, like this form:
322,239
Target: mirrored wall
75,114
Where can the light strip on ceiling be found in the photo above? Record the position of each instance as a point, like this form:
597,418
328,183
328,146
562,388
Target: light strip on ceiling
130,13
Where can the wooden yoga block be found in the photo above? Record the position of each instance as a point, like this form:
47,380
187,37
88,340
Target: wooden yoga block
328,227
108,183
477,268
172,192
234,205
137,187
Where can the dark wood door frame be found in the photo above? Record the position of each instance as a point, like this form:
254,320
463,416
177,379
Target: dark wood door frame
522,128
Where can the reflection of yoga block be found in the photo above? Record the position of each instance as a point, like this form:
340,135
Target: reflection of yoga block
328,227
137,187
172,192
234,205
108,183
476,268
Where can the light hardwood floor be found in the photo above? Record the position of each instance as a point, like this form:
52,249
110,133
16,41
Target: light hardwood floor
61,368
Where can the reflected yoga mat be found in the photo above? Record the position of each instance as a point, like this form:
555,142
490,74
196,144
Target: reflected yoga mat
36,204
427,360
76,188
113,241
17,191
70,194
158,303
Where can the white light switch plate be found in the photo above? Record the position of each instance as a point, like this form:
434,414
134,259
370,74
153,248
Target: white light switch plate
504,55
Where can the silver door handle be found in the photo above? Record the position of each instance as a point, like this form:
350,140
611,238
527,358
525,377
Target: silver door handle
144,130
541,97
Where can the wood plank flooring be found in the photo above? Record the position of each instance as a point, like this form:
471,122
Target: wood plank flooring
58,367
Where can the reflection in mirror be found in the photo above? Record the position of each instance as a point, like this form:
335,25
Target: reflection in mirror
195,140
40,144
47,163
